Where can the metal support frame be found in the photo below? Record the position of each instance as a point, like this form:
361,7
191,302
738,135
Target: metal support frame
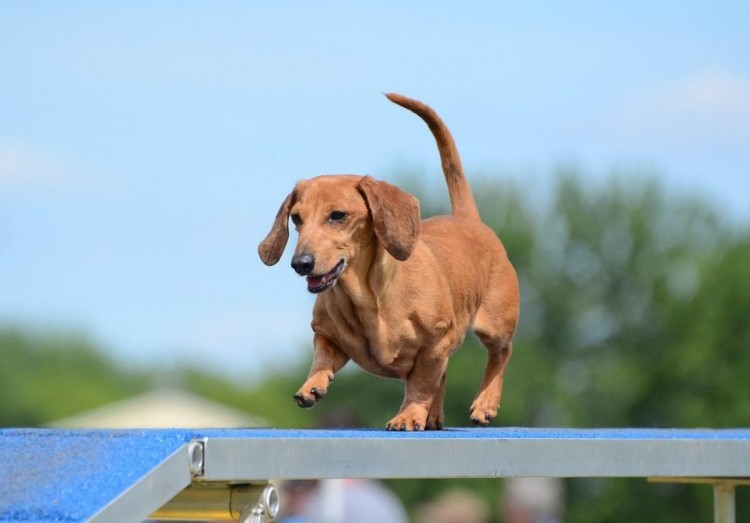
217,501
724,488
724,502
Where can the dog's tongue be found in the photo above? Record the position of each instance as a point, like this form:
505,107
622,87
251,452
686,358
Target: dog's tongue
315,281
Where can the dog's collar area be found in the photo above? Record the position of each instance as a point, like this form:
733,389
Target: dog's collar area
317,284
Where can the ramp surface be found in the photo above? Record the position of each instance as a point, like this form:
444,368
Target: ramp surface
62,475
125,475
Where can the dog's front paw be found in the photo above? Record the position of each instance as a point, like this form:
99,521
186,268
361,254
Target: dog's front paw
313,390
310,398
411,418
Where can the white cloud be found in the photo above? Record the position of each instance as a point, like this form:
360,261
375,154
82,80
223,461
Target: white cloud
714,92
22,166
29,167
707,107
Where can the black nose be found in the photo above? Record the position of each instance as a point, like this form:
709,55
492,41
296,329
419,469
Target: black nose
303,263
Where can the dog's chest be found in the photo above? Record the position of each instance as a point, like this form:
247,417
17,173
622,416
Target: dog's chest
380,345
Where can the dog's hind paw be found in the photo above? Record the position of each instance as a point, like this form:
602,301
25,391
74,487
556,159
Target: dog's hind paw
482,417
435,418
484,409
482,420
434,425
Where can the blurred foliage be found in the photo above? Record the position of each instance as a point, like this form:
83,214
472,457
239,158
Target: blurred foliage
44,377
634,313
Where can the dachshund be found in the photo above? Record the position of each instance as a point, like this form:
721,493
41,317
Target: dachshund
397,294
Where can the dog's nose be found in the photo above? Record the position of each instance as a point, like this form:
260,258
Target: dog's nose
303,263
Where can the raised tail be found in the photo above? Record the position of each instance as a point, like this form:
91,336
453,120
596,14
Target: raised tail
462,201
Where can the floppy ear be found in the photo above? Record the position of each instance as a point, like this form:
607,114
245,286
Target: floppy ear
395,216
272,247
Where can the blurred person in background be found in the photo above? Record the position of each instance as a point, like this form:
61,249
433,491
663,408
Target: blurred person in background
455,506
339,500
532,500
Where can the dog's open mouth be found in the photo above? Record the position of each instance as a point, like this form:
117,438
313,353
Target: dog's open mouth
316,284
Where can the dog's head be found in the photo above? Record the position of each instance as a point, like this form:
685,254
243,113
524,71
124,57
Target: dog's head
337,218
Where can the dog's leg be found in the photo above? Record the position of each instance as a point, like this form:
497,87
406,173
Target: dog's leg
327,361
422,388
494,325
485,405
435,417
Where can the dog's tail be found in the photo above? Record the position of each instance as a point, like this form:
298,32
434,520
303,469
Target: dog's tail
462,201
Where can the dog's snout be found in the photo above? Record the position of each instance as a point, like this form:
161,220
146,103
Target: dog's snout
303,263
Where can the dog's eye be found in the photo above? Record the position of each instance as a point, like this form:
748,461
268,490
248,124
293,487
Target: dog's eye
296,220
337,216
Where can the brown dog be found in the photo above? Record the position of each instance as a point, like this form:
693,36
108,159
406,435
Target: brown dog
397,295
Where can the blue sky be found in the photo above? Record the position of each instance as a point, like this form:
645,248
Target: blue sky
145,146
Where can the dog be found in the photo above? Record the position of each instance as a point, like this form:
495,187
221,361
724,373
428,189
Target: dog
396,294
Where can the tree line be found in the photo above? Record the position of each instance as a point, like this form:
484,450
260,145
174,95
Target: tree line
635,313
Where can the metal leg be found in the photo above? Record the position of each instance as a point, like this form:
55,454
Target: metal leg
723,493
724,502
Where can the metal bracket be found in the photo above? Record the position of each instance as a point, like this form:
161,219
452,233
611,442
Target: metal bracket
196,451
264,510
219,501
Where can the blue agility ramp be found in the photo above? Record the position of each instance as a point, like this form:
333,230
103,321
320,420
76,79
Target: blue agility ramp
60,475
131,475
